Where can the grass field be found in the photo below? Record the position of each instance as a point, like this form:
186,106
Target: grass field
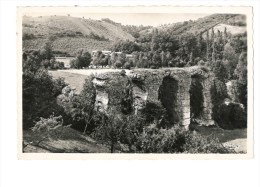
76,78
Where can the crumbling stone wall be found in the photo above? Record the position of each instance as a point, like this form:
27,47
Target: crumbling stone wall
206,78
111,91
132,89
151,81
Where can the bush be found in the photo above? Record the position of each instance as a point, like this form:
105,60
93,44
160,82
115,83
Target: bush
218,95
177,140
80,107
27,36
127,65
231,116
39,93
82,60
58,85
45,126
115,130
155,112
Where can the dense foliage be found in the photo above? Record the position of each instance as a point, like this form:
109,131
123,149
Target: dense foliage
39,90
82,60
80,107
43,58
177,140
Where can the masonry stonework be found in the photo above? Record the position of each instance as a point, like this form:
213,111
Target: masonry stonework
137,86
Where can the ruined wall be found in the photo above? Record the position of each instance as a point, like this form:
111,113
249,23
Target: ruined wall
146,84
111,90
206,79
117,90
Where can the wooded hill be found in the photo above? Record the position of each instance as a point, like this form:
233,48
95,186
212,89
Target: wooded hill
68,34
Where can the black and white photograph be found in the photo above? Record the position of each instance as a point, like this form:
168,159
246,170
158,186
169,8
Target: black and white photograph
135,83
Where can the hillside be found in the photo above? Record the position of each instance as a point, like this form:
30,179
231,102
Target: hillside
235,24
69,33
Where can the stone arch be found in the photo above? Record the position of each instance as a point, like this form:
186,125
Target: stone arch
202,80
196,96
167,94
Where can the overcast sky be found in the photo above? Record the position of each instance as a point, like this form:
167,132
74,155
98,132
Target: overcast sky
153,19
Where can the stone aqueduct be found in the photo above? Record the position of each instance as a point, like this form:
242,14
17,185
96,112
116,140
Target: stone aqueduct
171,86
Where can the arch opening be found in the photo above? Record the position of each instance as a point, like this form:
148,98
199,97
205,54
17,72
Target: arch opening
168,97
196,98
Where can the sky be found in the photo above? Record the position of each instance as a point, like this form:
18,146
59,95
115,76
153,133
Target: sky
153,19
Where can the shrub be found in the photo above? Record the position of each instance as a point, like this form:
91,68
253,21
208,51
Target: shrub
154,111
231,116
79,107
82,60
115,130
127,65
27,36
218,94
177,140
39,92
58,85
45,126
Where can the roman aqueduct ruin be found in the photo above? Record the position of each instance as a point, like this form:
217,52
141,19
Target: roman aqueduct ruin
176,89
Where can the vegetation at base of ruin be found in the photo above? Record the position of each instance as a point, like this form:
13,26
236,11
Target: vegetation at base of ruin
178,140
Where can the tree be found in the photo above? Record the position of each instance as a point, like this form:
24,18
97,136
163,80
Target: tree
208,46
218,94
241,69
241,75
39,93
121,59
97,58
154,42
47,128
163,59
220,71
80,107
230,59
169,59
225,37
82,60
47,52
156,60
113,58
109,130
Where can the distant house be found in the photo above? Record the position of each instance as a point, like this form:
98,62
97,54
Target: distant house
106,52
103,52
118,53
129,56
